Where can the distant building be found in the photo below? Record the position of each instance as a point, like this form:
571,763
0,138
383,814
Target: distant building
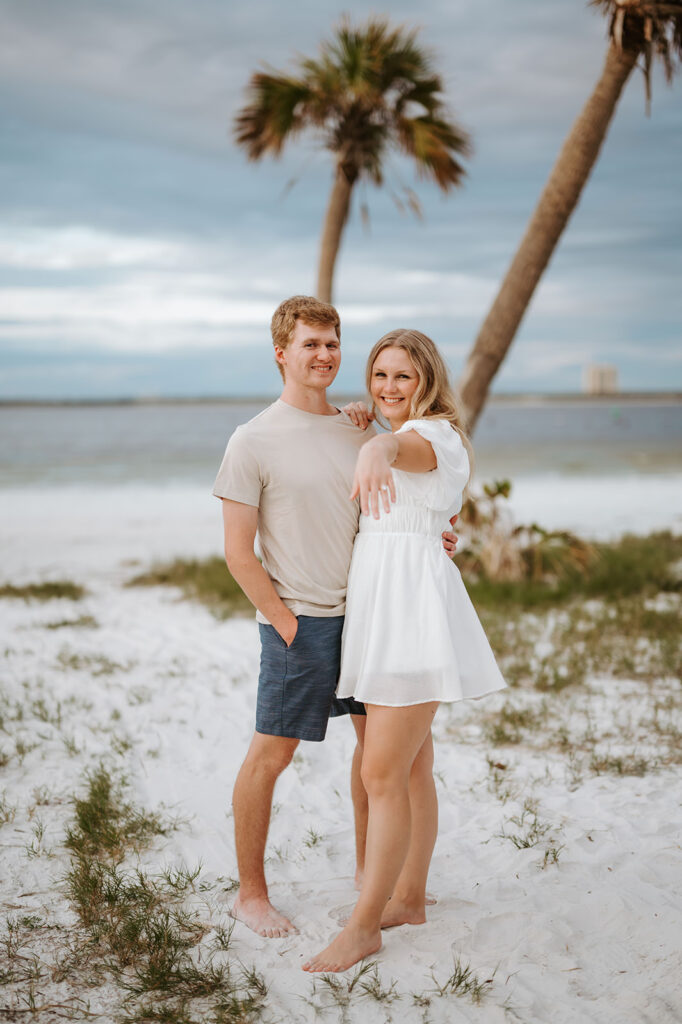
600,379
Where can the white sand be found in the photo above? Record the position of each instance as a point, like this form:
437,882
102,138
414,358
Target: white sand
595,937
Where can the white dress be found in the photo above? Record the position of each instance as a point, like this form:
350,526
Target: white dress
411,633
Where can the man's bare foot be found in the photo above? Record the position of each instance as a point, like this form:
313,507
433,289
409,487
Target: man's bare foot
261,917
430,900
349,946
397,913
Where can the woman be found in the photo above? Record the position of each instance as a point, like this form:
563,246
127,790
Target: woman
411,637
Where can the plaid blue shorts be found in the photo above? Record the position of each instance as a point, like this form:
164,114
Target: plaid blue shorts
297,683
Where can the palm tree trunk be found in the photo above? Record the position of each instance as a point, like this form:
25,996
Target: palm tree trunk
556,204
334,223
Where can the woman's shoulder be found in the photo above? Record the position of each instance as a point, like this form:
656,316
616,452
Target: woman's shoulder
437,428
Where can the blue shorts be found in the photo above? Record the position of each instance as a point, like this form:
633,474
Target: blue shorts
296,685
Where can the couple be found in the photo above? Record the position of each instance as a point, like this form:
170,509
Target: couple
301,474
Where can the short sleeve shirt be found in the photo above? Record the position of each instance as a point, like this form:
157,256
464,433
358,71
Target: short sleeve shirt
297,469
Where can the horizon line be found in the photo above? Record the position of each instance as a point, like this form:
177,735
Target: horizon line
503,396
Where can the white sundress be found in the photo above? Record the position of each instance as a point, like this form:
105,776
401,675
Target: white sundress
411,633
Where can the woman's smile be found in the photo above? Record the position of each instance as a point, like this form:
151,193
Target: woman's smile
393,383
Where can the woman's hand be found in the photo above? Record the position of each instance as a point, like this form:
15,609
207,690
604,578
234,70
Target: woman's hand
373,479
359,414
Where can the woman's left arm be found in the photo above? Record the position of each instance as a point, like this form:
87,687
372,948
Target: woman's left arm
373,479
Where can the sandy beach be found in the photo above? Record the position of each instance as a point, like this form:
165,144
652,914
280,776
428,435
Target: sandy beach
579,924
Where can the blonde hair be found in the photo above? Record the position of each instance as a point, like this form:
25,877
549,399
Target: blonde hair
301,307
434,397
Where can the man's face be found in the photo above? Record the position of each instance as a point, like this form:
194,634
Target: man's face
312,357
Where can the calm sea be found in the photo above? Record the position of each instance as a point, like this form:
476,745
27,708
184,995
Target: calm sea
184,442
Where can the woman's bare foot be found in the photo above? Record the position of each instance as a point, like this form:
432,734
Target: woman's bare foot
261,917
429,900
397,912
349,946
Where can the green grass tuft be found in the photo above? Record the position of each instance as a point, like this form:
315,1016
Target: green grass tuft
82,622
208,581
96,664
509,724
44,591
621,569
631,566
106,824
624,764
139,931
462,982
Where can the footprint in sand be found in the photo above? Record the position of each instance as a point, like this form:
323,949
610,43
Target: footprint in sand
612,958
341,914
506,931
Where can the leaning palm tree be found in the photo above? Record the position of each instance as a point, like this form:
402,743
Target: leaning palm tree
372,89
639,31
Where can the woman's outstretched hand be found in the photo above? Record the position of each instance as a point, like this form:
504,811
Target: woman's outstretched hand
359,414
373,479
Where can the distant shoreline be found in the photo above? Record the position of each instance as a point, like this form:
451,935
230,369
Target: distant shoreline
525,399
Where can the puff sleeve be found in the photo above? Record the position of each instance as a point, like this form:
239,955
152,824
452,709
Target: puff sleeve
448,480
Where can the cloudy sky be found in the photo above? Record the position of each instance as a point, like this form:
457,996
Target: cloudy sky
141,255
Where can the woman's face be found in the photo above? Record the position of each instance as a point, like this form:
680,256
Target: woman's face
394,380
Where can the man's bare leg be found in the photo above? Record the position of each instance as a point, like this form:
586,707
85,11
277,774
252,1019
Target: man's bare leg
408,902
359,798
265,761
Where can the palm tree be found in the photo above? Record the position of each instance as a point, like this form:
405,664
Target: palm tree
371,89
638,30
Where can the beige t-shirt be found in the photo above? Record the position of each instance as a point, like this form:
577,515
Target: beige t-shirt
297,469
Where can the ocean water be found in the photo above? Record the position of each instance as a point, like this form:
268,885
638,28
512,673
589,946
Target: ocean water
184,442
116,484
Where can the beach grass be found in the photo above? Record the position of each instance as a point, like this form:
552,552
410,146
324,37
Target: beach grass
44,591
106,824
138,931
616,570
82,622
462,982
95,664
619,569
553,648
206,580
340,992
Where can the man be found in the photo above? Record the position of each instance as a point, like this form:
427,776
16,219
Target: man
287,474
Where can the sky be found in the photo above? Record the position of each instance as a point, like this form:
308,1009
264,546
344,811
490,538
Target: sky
142,255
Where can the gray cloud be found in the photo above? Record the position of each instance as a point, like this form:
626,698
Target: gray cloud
134,230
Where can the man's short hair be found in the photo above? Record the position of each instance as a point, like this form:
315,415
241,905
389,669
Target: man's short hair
301,307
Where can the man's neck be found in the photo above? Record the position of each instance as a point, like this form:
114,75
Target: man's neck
308,400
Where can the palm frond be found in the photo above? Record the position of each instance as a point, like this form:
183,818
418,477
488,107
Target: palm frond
425,92
370,87
649,27
275,113
432,142
375,55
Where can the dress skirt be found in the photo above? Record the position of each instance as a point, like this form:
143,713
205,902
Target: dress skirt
411,633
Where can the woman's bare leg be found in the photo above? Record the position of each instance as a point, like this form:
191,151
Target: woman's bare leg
359,798
408,902
393,738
